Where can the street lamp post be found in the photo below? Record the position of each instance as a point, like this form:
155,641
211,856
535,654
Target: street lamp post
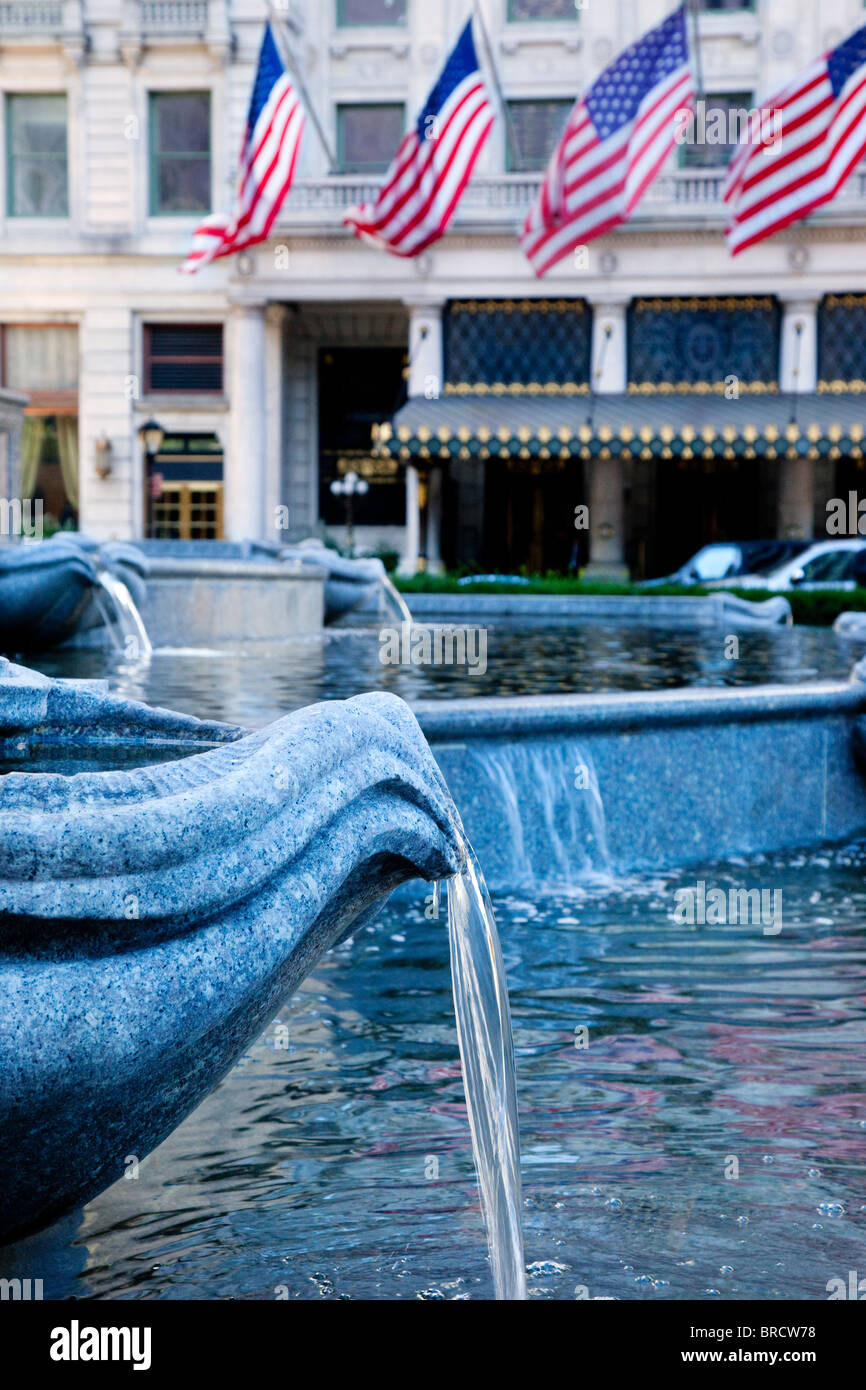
350,487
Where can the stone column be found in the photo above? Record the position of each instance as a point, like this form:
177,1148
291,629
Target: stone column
426,352
412,545
798,367
798,373
245,467
426,373
796,515
607,476
434,521
609,347
276,516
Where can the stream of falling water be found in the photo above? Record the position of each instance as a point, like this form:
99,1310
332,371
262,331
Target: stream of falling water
487,1053
122,619
392,597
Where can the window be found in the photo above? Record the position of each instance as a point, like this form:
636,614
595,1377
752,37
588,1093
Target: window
371,12
520,10
36,158
179,153
711,138
184,357
368,137
40,358
716,562
839,565
535,128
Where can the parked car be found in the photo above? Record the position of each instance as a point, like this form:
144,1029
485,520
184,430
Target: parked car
726,560
823,565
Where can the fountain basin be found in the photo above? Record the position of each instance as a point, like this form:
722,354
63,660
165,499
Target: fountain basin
212,593
676,611
152,920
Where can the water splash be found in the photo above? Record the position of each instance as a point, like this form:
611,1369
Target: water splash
487,1054
121,617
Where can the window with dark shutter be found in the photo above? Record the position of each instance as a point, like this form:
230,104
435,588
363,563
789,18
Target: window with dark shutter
185,357
535,128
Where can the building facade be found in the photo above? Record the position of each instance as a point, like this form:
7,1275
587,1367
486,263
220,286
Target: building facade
677,394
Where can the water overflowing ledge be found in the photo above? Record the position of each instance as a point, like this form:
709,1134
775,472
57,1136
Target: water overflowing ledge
681,776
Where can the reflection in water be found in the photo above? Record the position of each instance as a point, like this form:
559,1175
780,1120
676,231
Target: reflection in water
253,684
335,1161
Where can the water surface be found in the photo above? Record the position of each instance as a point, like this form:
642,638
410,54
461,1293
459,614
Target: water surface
253,684
335,1160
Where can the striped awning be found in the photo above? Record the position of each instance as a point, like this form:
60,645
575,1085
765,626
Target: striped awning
664,426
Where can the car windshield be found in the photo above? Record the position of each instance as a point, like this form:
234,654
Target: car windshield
716,562
833,565
772,556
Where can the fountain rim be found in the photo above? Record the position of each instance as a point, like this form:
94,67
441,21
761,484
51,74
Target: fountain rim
627,711
476,717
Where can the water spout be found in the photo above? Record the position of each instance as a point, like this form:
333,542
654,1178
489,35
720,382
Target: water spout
487,1053
121,617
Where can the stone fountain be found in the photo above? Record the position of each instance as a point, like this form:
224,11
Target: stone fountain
153,918
349,583
50,591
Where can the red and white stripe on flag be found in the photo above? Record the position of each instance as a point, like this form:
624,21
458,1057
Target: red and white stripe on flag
809,138
435,160
617,139
272,140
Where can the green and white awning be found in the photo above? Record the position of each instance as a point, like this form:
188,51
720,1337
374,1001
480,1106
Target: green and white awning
663,426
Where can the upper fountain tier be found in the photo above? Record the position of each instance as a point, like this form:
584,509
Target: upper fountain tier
47,589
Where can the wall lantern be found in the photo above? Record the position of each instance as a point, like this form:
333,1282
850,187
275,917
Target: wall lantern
151,435
102,457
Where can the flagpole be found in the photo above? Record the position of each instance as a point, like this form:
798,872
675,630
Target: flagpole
692,7
500,96
279,29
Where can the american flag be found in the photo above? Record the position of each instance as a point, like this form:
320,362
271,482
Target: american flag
617,138
820,135
272,139
434,162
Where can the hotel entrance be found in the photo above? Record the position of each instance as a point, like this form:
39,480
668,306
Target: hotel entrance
530,515
699,501
185,489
